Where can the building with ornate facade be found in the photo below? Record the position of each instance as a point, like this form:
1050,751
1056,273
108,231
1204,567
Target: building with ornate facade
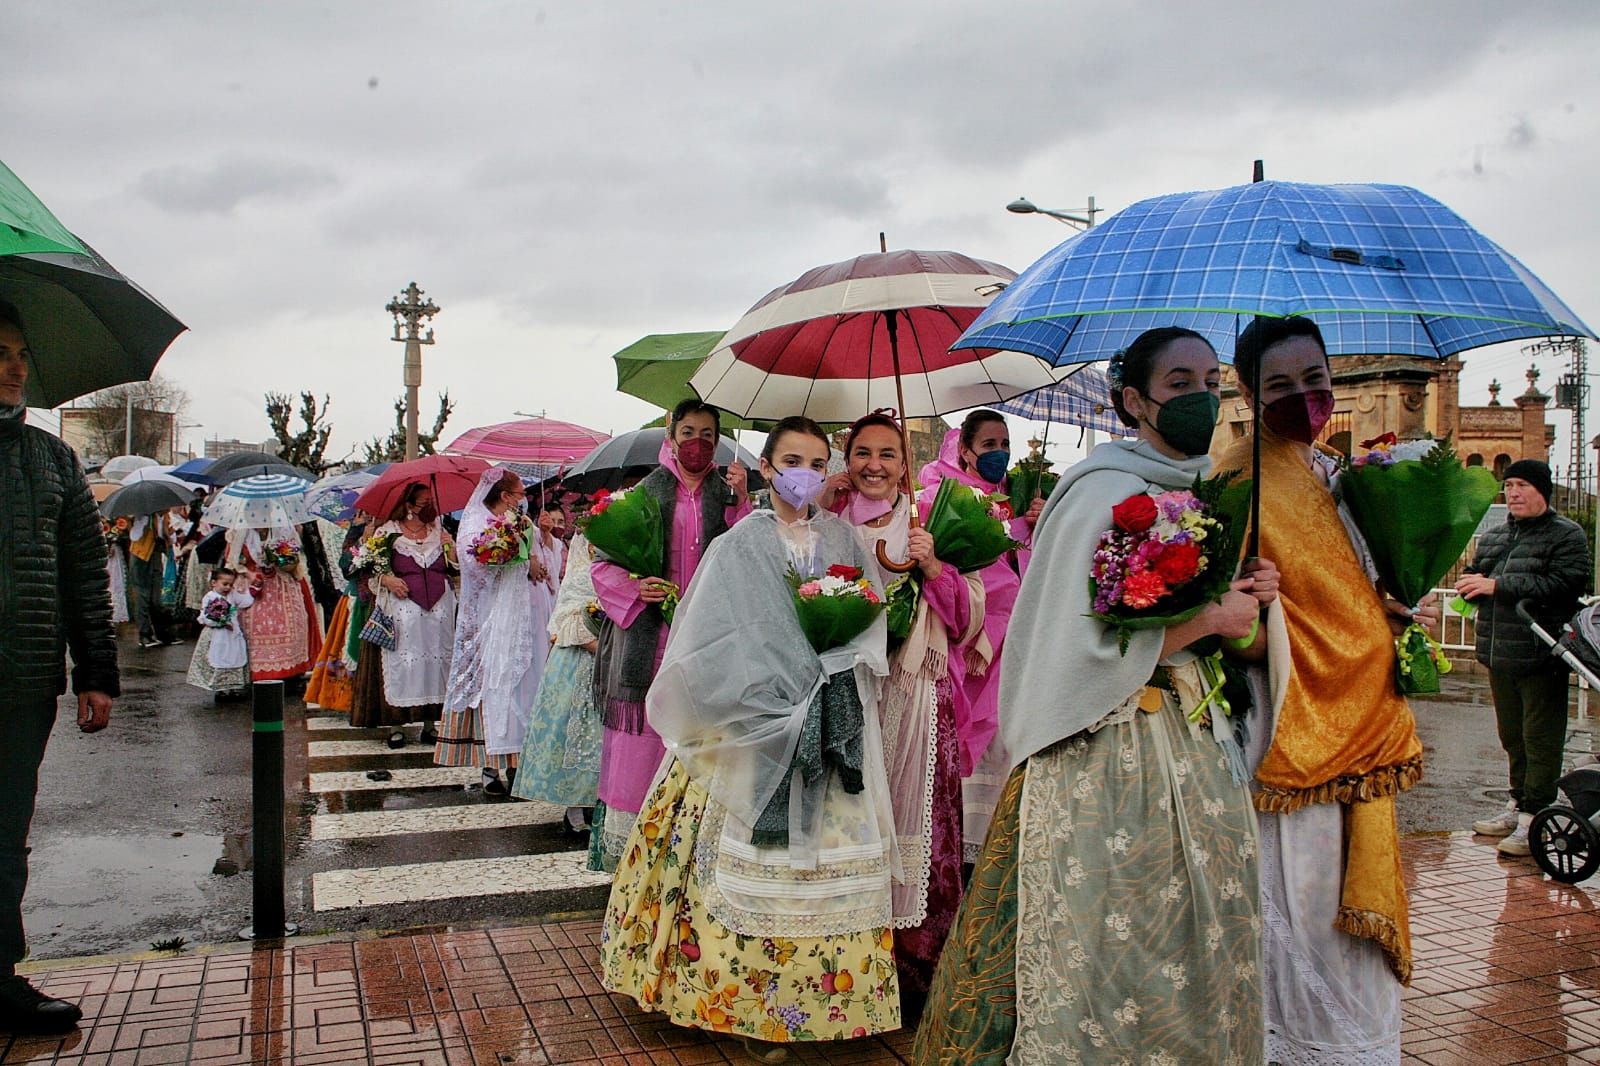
1411,398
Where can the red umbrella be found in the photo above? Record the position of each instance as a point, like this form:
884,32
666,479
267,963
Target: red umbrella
451,477
543,441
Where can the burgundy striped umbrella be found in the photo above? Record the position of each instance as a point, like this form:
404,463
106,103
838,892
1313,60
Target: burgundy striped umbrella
540,442
873,331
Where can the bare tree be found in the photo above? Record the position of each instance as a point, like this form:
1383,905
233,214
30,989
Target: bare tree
157,405
305,447
392,449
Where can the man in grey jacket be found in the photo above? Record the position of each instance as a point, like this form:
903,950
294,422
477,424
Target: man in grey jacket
1540,557
54,596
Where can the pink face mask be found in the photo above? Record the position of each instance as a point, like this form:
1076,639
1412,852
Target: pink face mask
864,510
695,455
1300,416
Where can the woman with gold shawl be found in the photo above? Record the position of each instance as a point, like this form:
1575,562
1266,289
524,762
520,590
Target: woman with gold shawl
1112,916
1336,741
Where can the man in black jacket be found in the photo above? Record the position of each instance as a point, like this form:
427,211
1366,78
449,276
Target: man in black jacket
54,596
1541,557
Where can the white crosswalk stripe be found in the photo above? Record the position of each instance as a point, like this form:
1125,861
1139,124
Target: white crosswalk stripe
416,882
462,817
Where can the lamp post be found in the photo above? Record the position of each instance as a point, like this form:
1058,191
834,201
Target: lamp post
1024,206
410,309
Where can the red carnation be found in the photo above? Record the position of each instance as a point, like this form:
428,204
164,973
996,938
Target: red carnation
1135,514
1178,563
1387,440
845,573
1143,590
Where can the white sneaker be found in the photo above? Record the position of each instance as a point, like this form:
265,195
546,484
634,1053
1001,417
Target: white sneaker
1517,842
1502,824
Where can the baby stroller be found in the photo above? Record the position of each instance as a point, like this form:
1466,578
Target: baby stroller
1565,840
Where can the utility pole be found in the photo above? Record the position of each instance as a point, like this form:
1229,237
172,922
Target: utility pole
410,310
1572,393
127,437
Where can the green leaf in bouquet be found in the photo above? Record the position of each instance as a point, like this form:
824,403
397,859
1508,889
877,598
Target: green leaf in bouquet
1029,480
1419,661
1417,515
902,595
965,535
627,533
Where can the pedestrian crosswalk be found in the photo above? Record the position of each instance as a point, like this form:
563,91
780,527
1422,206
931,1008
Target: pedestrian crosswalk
389,807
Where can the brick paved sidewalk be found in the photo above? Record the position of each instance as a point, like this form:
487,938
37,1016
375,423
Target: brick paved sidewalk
1508,970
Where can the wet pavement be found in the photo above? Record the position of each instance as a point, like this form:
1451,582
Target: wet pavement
1508,971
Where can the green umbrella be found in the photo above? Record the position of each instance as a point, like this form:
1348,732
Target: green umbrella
88,326
26,225
657,368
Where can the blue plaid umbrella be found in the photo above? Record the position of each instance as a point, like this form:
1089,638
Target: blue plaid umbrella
334,498
1083,399
1382,269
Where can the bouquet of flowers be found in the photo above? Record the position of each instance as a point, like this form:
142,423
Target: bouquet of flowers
1165,557
113,530
217,614
968,525
1418,507
281,554
624,528
1029,479
594,616
504,541
836,607
374,556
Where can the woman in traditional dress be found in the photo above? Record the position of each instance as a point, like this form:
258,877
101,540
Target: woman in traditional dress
493,673
408,683
918,710
697,507
548,560
282,627
560,760
753,894
1112,916
978,454
1338,741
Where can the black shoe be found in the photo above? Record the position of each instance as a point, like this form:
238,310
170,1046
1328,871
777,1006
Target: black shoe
397,739
494,786
429,735
24,1009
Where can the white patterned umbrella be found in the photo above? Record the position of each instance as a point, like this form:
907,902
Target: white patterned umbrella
119,467
266,501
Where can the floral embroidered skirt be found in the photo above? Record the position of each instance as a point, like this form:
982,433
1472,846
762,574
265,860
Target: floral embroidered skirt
1114,914
560,760
203,675
660,946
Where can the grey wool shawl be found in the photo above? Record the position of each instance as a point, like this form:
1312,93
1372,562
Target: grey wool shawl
1062,671
625,659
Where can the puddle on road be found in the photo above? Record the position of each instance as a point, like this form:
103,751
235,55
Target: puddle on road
116,893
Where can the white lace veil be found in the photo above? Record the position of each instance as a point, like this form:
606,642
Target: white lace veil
494,631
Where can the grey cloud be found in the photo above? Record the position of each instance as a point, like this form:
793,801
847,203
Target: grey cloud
1521,135
224,185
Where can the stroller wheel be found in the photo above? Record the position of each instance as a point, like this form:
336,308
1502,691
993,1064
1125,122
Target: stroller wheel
1564,844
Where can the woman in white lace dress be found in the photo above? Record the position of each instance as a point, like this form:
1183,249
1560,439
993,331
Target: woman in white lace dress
1113,915
408,683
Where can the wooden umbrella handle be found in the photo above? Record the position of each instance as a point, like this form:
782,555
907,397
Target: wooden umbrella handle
916,523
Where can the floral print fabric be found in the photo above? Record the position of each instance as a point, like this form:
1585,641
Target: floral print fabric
660,946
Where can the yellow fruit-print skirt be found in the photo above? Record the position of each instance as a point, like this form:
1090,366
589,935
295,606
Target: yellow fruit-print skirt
662,948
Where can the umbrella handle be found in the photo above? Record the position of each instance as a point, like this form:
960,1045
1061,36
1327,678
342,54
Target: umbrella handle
883,546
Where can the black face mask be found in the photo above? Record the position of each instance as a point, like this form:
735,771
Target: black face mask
427,514
1187,422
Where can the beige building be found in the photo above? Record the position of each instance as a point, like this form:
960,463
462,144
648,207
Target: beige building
1411,398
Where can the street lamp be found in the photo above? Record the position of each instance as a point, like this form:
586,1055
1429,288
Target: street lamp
1024,206
410,310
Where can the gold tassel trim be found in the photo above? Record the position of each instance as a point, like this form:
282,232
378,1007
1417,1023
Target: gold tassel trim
1379,928
1384,781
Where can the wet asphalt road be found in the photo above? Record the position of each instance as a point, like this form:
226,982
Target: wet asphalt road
142,831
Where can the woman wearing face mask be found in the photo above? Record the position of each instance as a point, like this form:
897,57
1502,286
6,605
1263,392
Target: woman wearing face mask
697,506
1340,741
918,707
978,454
408,683
753,895
1113,913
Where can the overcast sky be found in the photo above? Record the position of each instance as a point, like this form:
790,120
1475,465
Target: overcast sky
564,179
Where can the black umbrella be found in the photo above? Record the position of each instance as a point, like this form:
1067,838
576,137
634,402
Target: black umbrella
146,497
604,467
231,468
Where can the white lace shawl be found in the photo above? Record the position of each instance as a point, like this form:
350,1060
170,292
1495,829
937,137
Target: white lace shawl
567,623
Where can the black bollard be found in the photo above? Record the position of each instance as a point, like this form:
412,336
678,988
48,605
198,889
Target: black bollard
266,814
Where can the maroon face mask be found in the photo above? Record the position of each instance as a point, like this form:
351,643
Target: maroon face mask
1299,416
695,455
